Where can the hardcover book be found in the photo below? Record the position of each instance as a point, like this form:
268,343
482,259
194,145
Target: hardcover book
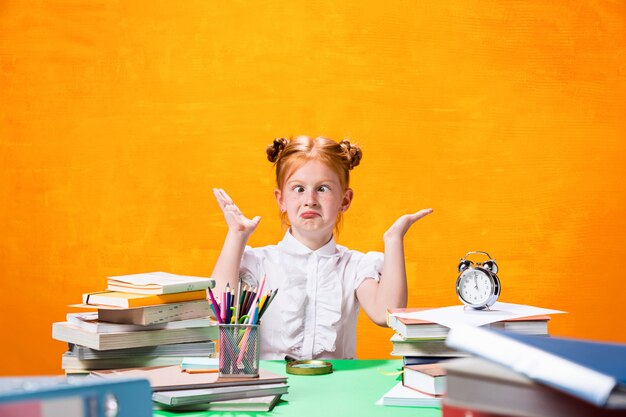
158,283
239,405
70,362
430,378
90,322
204,395
69,333
73,397
169,378
161,313
484,387
448,410
130,300
427,348
417,329
203,348
592,371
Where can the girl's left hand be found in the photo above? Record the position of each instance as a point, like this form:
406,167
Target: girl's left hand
402,225
235,219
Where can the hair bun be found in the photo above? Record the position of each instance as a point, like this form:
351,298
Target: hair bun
275,148
353,153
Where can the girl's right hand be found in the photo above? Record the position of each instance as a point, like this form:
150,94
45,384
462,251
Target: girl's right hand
235,219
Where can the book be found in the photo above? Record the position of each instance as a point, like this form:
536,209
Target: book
130,300
429,379
158,283
423,360
459,410
89,321
487,388
401,396
448,410
43,396
169,378
413,328
147,315
416,329
201,362
160,313
198,396
203,348
425,348
266,403
70,333
69,361
592,371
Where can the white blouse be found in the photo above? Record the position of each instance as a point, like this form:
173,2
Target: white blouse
314,314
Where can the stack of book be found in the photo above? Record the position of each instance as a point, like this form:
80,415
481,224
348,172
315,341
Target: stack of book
519,375
176,390
422,345
421,386
424,342
158,319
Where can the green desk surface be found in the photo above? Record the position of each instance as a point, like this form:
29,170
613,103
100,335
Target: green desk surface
351,390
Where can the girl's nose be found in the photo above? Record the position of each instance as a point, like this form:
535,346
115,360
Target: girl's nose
310,199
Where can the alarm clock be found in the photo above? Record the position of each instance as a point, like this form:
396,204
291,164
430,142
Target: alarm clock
478,285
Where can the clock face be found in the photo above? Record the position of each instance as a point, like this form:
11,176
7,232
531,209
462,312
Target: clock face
475,287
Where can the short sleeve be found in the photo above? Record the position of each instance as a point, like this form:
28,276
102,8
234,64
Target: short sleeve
250,267
370,266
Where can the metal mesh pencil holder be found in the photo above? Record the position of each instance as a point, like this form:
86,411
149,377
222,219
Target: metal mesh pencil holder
240,349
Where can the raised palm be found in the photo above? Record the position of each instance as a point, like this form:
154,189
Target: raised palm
403,224
235,219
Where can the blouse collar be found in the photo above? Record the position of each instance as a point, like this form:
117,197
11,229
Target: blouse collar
292,245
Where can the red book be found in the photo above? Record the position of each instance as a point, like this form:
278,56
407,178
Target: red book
448,410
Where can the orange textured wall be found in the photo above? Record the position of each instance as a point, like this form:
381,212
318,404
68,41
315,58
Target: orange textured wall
117,119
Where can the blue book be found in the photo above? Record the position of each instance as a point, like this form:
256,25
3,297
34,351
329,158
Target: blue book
74,397
592,371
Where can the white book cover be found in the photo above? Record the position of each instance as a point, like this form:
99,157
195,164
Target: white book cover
158,283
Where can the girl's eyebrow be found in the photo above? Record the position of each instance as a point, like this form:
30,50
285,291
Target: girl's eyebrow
299,181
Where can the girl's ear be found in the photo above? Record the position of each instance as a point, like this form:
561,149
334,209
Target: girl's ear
279,199
347,199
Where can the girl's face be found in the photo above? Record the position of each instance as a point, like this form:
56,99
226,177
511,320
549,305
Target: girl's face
313,197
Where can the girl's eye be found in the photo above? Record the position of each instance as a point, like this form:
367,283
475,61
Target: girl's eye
324,188
298,189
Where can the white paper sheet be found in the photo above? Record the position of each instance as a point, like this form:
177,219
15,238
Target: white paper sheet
402,396
451,316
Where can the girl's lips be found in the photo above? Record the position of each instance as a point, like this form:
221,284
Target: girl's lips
309,214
